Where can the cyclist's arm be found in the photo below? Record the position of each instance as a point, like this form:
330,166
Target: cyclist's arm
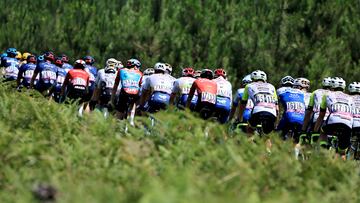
19,77
36,72
174,92
309,112
243,103
64,85
191,95
115,87
321,114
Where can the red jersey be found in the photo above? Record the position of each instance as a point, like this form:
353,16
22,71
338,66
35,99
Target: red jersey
78,78
206,90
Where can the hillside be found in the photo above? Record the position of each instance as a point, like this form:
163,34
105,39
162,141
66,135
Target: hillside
91,159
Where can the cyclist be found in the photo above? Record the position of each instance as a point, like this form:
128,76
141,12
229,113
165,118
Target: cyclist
313,110
156,90
147,72
10,64
265,101
223,96
182,87
130,79
92,70
304,85
293,102
354,90
19,56
60,77
239,94
169,70
24,58
340,119
26,72
47,74
206,89
66,64
76,83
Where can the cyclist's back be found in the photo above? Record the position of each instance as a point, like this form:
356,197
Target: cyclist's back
47,73
105,82
182,88
26,72
10,64
223,96
76,82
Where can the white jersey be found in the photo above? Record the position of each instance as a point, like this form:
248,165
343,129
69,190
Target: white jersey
340,106
356,111
106,80
159,83
224,88
315,101
183,85
264,97
307,98
238,98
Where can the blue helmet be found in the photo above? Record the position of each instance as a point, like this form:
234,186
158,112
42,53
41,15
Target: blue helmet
12,52
89,60
40,58
3,55
133,62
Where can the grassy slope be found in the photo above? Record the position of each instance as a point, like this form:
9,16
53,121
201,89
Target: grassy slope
91,160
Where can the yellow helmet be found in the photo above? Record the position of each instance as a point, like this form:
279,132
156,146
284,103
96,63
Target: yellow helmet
18,55
25,55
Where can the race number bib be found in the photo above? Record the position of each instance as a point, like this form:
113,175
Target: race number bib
264,100
48,75
208,97
11,70
162,88
28,73
342,110
185,89
79,82
295,107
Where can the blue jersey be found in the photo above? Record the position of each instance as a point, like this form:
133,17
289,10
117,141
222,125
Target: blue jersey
11,66
47,75
249,105
93,74
293,102
60,78
130,80
27,72
67,67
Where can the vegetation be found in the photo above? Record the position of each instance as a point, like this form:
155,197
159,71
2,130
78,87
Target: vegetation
302,38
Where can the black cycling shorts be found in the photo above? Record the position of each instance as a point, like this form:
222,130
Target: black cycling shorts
75,93
342,129
205,109
266,119
356,132
125,100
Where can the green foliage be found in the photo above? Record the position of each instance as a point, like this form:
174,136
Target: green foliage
92,159
302,38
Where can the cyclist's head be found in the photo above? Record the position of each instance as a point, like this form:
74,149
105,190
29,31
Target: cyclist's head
133,63
302,84
18,55
11,52
338,84
220,72
79,64
326,83
188,72
59,62
159,67
168,68
89,60
149,71
197,74
111,62
287,81
25,56
31,59
258,75
65,58
207,73
354,88
110,67
49,56
246,80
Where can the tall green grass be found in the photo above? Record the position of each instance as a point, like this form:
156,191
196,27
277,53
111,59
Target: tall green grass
92,159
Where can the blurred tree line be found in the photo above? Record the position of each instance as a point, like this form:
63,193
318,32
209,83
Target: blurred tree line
311,38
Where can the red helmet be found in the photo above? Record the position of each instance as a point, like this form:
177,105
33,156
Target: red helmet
80,64
188,72
220,72
31,59
59,62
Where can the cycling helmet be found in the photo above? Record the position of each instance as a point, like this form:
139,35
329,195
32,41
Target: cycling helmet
119,65
59,62
247,79
207,73
258,75
220,72
305,83
326,82
168,68
89,60
110,69
354,87
49,56
25,55
149,71
79,64
40,58
159,67
65,58
11,52
188,72
18,55
197,74
111,62
287,80
133,62
31,59
4,55
338,83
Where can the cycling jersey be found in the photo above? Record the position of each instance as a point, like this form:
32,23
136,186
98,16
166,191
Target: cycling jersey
315,101
161,86
78,83
67,67
60,78
263,95
27,72
249,104
293,103
182,87
11,66
307,98
356,111
206,90
340,107
105,82
47,75
92,73
130,80
223,99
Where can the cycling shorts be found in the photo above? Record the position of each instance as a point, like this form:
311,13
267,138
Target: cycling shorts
266,119
75,93
339,128
222,109
125,100
205,109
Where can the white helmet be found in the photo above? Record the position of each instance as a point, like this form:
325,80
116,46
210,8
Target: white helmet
354,87
168,68
247,79
326,82
258,75
302,82
149,71
338,82
119,65
287,80
159,66
111,62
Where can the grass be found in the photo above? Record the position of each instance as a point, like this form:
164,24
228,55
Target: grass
91,159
